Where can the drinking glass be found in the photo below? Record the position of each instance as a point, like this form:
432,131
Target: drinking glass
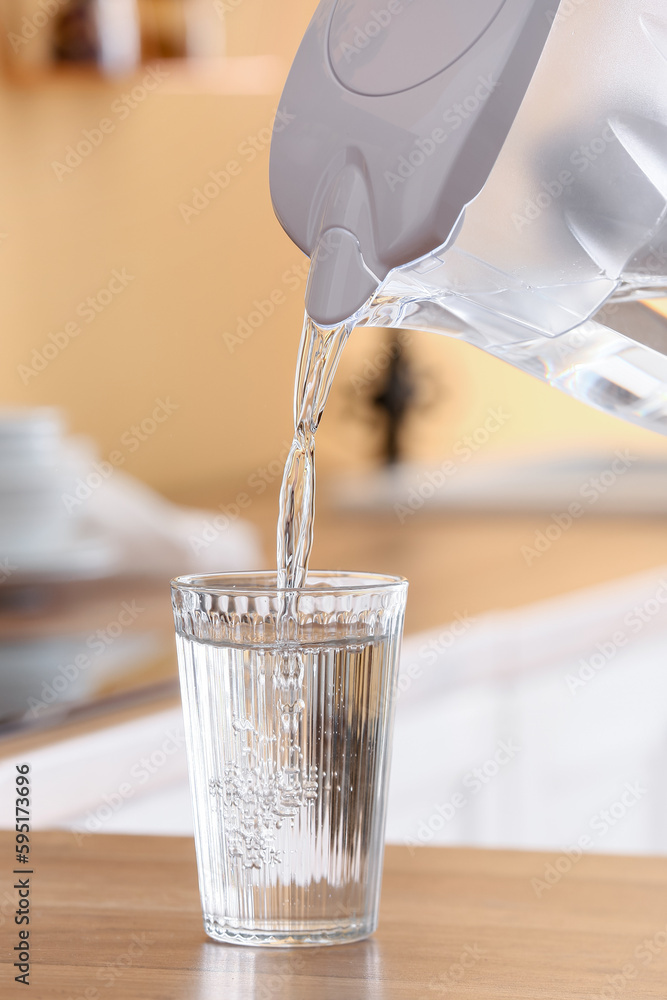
288,698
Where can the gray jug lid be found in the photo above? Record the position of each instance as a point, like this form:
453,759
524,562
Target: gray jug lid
393,115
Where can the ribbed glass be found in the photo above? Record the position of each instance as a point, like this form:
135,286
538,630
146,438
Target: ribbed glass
289,743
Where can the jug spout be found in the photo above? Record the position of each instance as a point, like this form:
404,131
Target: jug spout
342,230
339,281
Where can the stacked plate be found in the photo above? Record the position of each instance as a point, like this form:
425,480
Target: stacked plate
39,535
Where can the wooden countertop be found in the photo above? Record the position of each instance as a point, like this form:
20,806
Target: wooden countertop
119,917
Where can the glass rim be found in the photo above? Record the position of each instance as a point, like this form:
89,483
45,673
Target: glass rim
250,583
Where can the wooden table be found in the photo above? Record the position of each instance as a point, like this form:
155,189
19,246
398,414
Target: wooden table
119,917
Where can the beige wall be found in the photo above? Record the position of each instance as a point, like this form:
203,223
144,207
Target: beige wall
163,335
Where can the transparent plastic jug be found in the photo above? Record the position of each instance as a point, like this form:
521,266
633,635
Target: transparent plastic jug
497,174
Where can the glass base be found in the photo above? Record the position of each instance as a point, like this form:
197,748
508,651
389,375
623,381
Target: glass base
306,934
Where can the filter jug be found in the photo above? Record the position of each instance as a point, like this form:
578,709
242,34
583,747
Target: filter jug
494,171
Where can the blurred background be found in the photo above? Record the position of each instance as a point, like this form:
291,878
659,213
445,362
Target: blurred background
151,308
